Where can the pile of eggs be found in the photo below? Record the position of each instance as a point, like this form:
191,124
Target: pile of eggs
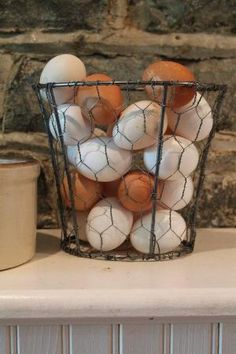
113,200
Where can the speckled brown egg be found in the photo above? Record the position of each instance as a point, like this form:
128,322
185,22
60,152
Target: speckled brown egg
135,191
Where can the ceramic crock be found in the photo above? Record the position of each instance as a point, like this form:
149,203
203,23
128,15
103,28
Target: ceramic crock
18,210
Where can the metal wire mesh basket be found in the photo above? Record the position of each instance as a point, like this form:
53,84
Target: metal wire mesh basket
129,190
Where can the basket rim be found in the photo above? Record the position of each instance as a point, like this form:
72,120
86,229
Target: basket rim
198,85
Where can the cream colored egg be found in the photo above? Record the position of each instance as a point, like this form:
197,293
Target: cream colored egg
100,159
62,68
108,225
98,133
179,158
170,230
138,126
193,121
75,128
175,194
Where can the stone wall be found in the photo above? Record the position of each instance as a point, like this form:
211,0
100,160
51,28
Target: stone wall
119,37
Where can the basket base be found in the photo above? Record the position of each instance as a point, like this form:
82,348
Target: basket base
124,253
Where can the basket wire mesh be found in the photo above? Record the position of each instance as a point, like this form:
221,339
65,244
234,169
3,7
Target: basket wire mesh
72,225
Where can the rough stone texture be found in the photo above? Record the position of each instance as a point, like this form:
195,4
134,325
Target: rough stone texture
126,42
54,15
5,73
22,111
220,71
119,37
36,146
218,199
163,16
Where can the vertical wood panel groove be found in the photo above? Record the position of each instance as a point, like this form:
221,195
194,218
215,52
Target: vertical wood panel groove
65,340
214,338
70,340
220,337
13,340
114,339
171,339
166,338
120,339
17,340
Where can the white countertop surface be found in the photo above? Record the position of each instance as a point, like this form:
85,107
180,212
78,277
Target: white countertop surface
57,285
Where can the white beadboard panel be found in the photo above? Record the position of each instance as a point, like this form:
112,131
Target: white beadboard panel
40,340
143,339
14,342
92,339
191,338
65,339
5,340
228,338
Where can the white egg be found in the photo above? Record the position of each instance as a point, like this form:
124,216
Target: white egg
62,68
193,121
72,154
75,128
175,194
108,225
138,126
179,158
170,230
81,217
100,159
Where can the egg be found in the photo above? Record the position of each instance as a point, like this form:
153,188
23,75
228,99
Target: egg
135,191
75,128
85,191
193,121
102,103
179,158
110,129
72,153
62,68
177,96
108,225
100,159
81,218
138,126
175,194
110,189
169,228
98,132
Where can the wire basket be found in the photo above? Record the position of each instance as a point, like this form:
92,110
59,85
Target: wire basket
166,229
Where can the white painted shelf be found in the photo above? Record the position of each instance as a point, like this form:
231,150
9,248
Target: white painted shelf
60,304
55,285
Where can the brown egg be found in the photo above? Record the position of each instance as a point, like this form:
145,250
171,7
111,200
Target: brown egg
177,96
101,103
168,131
135,191
110,129
110,189
86,192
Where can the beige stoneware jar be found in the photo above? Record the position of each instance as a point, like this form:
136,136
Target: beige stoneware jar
18,211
